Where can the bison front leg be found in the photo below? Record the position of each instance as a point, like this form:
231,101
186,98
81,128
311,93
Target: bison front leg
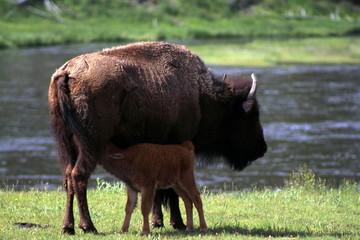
169,196
157,215
175,215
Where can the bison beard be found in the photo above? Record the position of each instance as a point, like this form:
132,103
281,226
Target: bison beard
147,92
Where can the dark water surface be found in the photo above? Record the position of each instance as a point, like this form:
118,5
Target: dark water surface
310,114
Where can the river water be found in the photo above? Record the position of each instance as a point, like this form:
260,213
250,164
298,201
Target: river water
310,115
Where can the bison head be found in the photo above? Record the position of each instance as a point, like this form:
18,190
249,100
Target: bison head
243,139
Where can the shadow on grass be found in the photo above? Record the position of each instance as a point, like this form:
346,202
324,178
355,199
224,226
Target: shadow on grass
239,231
236,231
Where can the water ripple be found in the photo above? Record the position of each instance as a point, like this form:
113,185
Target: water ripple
21,144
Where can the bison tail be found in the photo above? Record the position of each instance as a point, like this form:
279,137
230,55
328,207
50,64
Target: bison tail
67,109
63,137
64,121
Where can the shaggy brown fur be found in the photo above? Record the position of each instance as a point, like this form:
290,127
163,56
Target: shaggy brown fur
147,92
147,167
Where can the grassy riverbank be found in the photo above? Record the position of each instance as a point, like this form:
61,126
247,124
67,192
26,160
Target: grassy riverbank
265,32
304,209
113,21
265,52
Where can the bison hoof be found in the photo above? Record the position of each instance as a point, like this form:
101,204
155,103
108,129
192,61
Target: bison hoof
124,229
158,224
68,230
189,228
179,226
89,229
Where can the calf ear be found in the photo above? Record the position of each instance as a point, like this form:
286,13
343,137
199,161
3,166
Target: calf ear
116,155
248,104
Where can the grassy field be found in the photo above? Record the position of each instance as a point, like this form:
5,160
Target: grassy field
304,209
113,21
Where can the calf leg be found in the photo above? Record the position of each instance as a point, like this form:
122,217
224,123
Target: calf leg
199,207
130,205
188,207
194,194
147,197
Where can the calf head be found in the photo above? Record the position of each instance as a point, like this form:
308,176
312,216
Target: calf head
112,152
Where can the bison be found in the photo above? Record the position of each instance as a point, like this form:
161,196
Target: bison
146,167
152,92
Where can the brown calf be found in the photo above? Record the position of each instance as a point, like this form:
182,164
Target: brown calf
147,167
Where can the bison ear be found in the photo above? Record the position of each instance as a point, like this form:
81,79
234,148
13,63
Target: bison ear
248,104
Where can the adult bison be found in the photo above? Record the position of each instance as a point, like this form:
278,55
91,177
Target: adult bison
151,92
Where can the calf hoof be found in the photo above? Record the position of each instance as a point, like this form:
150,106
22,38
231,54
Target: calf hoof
145,233
68,230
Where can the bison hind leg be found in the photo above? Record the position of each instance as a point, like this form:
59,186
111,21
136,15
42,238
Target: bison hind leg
80,174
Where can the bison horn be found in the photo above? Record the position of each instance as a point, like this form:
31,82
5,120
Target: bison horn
252,92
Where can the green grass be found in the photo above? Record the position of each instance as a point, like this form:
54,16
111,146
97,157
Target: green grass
255,52
268,32
306,208
113,21
34,31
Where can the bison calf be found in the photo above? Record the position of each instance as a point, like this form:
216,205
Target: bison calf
147,167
